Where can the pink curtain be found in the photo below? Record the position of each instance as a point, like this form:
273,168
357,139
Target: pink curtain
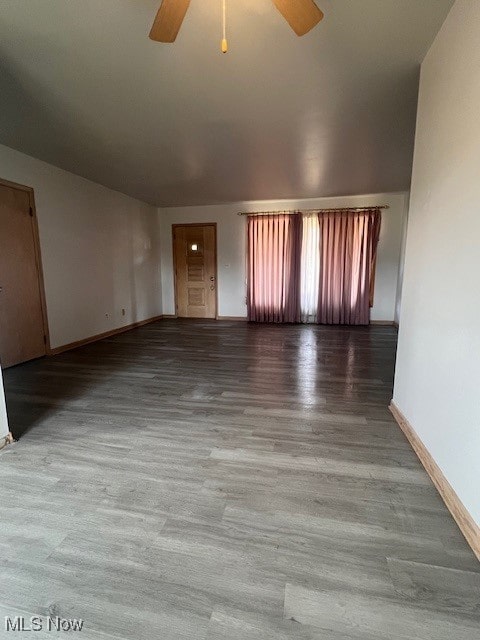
274,246
349,246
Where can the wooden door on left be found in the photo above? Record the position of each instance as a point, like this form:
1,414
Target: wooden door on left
23,333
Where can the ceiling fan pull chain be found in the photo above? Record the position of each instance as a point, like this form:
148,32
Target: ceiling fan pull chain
224,39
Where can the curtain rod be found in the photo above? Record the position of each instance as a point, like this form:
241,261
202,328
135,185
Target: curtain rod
291,211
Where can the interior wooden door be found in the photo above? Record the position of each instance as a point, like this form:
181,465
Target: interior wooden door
195,261
22,333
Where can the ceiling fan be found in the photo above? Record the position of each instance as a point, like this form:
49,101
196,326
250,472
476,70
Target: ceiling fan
301,15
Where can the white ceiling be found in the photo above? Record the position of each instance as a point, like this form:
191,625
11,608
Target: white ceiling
332,113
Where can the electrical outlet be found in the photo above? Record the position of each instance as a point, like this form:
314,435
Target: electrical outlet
123,312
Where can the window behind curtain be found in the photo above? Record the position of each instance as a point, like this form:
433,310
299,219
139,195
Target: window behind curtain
312,267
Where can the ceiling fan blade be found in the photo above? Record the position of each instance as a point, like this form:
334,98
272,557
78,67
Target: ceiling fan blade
169,20
301,15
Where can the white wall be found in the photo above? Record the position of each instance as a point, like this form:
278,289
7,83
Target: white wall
231,247
401,263
3,410
437,383
100,250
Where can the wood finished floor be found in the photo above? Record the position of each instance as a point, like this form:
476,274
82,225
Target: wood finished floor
214,481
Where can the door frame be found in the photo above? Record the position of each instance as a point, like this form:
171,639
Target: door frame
38,255
174,259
